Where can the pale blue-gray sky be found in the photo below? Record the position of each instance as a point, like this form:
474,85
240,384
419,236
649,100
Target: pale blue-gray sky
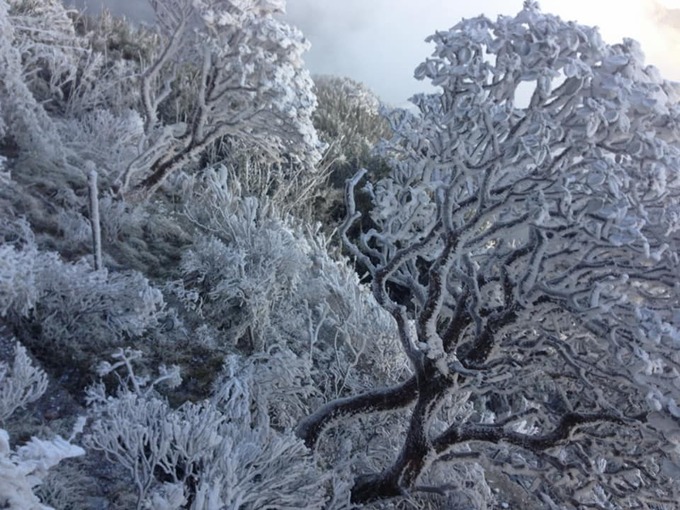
380,42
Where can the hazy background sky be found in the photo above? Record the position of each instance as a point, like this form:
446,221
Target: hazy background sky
380,42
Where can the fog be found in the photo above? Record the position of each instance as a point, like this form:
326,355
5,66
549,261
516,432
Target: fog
380,42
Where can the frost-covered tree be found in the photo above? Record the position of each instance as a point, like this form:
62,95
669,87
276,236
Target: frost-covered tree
38,54
237,71
348,120
525,244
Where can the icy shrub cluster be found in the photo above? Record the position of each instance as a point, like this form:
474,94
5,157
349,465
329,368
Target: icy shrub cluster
24,468
264,281
72,303
219,453
20,383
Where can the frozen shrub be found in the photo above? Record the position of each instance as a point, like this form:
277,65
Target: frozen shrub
17,280
20,262
282,383
241,284
23,468
220,453
348,119
20,383
105,137
263,281
50,49
32,130
99,308
72,303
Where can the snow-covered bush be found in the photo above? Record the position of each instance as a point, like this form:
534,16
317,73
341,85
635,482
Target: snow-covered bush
243,282
74,305
219,453
265,281
50,49
24,468
21,265
20,383
97,308
237,71
32,130
18,291
349,121
107,138
283,383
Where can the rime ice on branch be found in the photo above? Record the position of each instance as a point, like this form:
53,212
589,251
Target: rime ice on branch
247,82
529,256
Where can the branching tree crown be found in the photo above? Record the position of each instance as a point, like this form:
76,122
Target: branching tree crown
527,250
244,70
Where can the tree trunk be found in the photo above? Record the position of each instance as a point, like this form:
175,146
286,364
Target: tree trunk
413,457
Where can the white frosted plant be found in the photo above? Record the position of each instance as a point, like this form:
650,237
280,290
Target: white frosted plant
72,303
100,308
348,119
24,468
265,281
283,383
18,290
51,51
21,264
20,24
245,270
247,82
220,453
106,137
20,383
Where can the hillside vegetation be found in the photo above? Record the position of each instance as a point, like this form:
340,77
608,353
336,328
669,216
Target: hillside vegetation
227,284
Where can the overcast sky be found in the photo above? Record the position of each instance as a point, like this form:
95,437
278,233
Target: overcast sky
380,42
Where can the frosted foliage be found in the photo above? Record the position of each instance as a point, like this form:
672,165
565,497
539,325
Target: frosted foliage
220,453
32,129
528,254
45,38
243,282
249,83
71,302
345,92
265,282
17,285
25,467
20,265
282,382
348,119
108,139
102,308
20,383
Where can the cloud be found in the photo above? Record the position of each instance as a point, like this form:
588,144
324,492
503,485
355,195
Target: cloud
379,42
665,17
663,46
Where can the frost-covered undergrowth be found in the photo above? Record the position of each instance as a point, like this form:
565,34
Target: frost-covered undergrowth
23,468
